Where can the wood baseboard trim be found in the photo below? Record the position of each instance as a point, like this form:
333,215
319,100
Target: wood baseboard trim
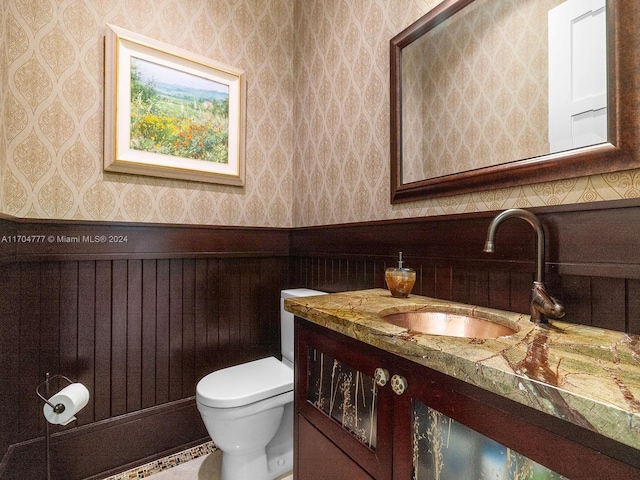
133,439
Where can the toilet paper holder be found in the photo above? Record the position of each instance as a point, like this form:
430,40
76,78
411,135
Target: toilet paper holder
58,408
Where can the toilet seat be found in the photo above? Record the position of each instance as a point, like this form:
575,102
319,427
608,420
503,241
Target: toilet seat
245,384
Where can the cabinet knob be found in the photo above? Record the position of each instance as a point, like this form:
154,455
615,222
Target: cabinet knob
398,384
382,376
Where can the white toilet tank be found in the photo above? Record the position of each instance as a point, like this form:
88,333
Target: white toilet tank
286,321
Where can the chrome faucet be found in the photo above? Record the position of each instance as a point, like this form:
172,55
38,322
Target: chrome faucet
542,304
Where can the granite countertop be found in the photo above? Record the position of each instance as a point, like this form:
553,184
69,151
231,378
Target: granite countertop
584,375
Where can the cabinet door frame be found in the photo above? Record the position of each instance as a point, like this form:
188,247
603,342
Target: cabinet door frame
379,462
544,439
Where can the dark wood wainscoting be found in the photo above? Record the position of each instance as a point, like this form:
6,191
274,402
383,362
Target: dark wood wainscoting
593,259
138,313
138,322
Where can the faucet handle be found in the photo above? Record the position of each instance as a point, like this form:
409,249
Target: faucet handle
544,305
557,309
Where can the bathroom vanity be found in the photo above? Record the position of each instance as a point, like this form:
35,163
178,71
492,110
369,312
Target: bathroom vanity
376,400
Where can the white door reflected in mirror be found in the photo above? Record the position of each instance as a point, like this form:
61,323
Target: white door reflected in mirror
577,75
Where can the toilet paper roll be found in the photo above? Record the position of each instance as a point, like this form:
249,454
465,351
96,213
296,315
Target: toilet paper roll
74,397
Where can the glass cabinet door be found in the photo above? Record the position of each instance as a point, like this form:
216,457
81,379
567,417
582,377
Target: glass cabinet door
336,391
446,429
444,449
345,394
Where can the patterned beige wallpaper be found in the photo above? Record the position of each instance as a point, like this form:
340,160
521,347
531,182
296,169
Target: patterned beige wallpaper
476,93
317,126
4,86
342,123
53,108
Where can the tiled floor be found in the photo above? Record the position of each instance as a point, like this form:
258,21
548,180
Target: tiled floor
183,466
203,468
166,463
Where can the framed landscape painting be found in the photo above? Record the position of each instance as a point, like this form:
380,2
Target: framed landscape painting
170,113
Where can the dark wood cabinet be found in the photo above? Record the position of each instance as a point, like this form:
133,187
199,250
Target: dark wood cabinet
438,427
319,457
372,450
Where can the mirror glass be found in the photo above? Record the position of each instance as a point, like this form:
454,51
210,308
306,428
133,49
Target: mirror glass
500,81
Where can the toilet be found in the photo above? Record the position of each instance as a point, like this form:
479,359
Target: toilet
248,409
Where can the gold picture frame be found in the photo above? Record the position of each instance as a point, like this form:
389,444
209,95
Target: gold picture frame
171,113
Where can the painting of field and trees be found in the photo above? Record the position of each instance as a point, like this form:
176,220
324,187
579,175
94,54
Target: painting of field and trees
177,113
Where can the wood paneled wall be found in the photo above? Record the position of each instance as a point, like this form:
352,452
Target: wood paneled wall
140,321
139,332
593,264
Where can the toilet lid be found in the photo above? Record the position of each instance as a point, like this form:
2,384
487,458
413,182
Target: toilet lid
244,384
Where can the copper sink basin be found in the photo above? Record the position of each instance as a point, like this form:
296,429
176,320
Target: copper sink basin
452,324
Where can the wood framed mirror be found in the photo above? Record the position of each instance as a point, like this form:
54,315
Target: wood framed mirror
463,24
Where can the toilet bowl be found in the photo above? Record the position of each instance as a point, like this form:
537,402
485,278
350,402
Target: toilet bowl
248,409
